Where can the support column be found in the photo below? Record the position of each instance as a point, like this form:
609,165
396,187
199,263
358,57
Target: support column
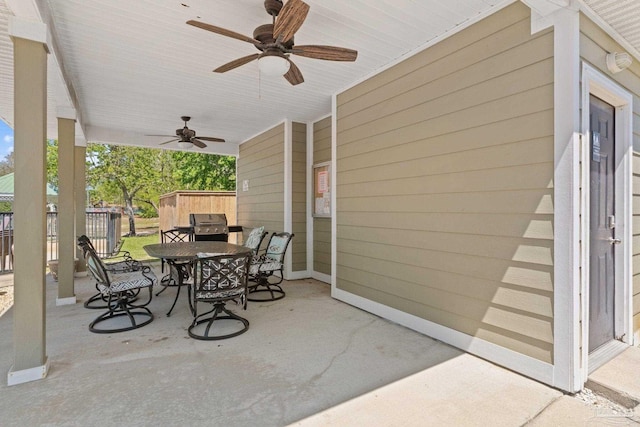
30,115
81,201
66,206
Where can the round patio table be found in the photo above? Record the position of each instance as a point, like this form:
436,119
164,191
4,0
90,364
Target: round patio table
186,251
180,255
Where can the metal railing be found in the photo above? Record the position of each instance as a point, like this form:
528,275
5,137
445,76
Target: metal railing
104,230
102,227
6,245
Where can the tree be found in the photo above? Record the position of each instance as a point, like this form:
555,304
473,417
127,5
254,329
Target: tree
165,181
200,171
52,163
7,165
125,173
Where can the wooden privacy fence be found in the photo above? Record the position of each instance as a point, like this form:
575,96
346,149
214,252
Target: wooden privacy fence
175,207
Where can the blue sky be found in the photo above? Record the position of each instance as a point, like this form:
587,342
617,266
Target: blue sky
6,139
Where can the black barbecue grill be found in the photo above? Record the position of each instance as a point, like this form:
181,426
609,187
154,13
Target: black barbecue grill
209,227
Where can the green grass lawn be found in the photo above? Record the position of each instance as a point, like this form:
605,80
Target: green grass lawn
134,245
142,223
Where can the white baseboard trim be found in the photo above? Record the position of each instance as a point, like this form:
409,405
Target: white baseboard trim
66,301
27,375
509,359
321,277
297,275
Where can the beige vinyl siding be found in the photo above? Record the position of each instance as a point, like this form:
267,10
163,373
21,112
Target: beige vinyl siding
322,226
322,140
261,162
594,45
299,197
445,184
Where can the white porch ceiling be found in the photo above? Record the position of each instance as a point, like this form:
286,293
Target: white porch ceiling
134,67
623,16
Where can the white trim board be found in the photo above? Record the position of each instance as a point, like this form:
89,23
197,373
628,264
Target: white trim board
298,275
288,192
28,375
596,83
322,277
566,216
309,175
510,359
67,300
334,191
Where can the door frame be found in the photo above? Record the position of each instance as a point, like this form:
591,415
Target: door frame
596,83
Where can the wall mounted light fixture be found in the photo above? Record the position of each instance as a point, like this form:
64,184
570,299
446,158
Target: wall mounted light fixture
617,62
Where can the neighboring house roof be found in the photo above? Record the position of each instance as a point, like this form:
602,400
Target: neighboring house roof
6,188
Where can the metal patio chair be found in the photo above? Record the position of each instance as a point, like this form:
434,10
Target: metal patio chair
120,292
179,271
170,236
119,263
217,280
266,266
254,240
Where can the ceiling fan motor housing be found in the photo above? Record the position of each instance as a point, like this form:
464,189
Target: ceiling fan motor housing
264,34
273,7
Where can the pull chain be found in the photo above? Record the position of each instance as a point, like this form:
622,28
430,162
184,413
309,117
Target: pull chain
259,84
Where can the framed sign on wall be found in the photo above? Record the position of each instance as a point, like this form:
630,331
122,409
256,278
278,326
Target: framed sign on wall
322,189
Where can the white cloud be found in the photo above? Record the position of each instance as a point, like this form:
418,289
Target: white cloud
8,139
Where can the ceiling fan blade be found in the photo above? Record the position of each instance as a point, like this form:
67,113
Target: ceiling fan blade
293,76
330,53
290,19
166,142
198,143
210,138
236,63
224,32
166,136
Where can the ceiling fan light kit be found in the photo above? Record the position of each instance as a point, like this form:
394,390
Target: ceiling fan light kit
273,65
275,41
185,145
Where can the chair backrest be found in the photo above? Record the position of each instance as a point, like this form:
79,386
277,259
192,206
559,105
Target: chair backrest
277,246
97,268
254,240
221,274
85,244
174,235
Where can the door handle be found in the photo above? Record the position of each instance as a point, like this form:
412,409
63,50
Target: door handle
614,241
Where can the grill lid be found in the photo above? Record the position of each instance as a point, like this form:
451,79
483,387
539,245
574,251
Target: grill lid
208,219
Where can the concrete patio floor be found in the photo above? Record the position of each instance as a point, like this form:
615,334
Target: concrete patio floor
306,360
